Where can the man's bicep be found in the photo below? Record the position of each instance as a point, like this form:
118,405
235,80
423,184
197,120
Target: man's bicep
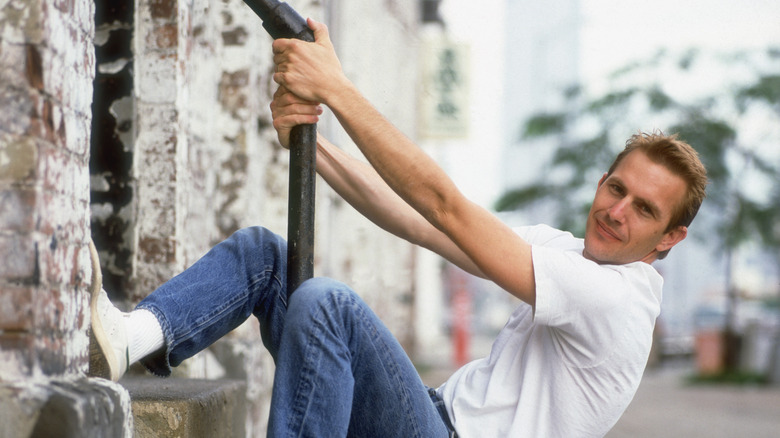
500,253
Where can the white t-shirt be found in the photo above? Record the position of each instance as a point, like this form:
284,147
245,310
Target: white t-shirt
570,368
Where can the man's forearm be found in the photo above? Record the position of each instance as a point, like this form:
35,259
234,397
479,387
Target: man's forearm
359,184
411,173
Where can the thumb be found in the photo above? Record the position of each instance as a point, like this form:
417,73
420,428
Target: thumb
320,30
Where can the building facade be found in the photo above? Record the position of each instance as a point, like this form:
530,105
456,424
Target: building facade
144,125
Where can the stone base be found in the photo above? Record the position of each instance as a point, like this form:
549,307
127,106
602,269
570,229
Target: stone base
187,408
82,408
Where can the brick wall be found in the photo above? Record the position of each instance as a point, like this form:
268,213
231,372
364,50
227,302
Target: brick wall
46,71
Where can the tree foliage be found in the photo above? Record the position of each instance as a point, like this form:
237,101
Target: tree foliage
726,106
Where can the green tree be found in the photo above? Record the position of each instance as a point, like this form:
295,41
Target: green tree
726,106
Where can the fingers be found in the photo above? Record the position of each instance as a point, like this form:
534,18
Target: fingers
287,123
282,60
310,113
286,103
288,111
310,70
321,36
306,68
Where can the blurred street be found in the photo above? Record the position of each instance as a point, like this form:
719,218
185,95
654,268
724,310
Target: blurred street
666,405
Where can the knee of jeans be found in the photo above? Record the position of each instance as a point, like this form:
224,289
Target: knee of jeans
251,236
257,238
317,293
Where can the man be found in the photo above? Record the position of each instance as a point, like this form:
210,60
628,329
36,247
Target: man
569,359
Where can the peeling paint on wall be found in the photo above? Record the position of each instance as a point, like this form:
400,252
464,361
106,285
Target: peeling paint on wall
18,157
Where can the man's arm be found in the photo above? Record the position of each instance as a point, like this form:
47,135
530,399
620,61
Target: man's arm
313,73
359,184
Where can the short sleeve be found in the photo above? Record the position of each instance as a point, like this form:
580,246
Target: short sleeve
585,305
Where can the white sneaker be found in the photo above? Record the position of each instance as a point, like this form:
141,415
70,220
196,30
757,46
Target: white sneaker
109,356
108,347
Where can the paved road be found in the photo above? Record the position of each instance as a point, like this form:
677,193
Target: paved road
666,406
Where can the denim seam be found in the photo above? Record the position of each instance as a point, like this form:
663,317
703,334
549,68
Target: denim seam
391,365
279,282
227,307
441,409
302,397
170,340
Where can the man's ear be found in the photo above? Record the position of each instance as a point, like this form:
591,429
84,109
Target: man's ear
671,238
603,178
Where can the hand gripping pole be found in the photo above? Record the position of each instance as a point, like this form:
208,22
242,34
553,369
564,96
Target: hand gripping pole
281,21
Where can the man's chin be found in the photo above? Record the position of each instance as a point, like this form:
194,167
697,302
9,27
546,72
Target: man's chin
590,256
596,255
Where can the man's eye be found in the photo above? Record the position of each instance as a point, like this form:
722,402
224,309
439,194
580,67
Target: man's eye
616,189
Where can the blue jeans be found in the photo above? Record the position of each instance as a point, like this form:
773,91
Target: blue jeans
339,371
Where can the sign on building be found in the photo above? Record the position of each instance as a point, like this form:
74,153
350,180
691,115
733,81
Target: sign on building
444,110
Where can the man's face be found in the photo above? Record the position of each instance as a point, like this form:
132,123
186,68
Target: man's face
631,211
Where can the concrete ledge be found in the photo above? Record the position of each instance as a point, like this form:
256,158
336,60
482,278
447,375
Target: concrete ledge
64,408
187,408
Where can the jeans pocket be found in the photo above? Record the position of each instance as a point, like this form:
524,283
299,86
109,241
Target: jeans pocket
442,410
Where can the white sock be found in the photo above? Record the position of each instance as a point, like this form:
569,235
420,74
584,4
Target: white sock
144,334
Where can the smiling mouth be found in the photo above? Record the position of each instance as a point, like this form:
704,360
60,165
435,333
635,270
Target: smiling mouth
606,231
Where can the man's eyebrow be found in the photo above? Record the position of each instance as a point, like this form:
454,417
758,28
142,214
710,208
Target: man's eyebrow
614,179
654,208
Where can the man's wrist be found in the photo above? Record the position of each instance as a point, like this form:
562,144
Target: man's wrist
344,91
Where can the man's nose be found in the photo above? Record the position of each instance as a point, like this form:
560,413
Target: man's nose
617,211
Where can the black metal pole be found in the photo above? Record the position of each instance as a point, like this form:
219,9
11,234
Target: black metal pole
281,21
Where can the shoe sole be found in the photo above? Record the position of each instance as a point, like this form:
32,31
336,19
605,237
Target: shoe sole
101,355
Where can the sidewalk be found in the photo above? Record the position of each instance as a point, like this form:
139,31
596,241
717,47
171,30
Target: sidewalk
667,406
